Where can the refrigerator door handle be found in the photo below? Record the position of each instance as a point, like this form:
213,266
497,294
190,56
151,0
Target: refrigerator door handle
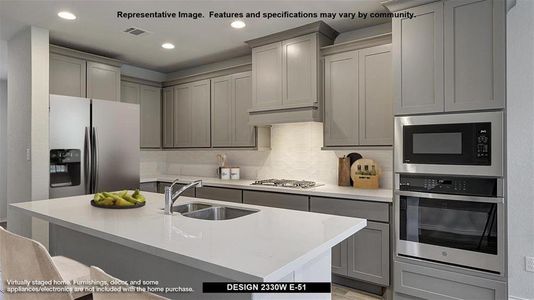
94,170
87,174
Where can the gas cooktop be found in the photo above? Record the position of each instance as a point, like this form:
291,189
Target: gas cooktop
297,184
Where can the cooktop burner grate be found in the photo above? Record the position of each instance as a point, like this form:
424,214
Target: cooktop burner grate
302,184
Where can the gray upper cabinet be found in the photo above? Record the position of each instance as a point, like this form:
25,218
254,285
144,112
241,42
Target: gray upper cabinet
67,75
130,92
168,117
299,70
201,114
450,57
149,99
192,121
267,76
103,81
231,100
418,60
182,116
150,108
474,54
375,96
341,99
359,98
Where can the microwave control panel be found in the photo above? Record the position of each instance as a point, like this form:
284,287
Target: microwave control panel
472,186
483,142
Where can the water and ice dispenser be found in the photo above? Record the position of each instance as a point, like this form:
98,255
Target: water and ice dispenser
65,167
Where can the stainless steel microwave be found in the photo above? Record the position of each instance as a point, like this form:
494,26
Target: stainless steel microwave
465,143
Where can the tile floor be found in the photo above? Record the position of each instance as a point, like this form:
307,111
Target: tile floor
340,292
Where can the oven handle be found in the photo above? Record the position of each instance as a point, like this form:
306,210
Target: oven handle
450,197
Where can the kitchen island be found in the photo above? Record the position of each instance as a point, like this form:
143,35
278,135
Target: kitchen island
266,246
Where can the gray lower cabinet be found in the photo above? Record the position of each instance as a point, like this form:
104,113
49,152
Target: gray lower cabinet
222,194
231,100
168,117
67,75
149,187
163,185
103,81
339,258
192,115
279,200
366,255
420,282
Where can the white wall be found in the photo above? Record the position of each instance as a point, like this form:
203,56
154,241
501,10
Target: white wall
295,154
27,122
520,145
3,149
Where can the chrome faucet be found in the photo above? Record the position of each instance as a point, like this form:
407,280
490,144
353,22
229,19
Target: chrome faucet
170,198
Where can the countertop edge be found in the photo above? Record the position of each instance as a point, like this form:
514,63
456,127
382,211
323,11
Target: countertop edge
308,192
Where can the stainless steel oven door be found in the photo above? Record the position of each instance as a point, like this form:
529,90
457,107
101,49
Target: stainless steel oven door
465,231
494,169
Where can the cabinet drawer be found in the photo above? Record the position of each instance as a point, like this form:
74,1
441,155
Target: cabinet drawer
162,185
372,211
289,201
149,187
430,283
216,193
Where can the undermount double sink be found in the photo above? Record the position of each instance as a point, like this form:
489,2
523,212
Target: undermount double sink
206,211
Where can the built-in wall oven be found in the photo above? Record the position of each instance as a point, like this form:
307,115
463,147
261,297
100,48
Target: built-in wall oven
465,143
451,219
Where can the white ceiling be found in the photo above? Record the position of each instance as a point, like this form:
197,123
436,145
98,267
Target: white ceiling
201,41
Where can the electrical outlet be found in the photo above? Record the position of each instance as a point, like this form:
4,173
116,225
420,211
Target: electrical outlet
28,154
529,263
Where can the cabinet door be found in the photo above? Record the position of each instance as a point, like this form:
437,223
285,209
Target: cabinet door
341,99
339,258
299,70
474,54
150,103
217,193
130,92
244,135
418,60
168,117
103,81
368,254
149,187
200,114
221,110
267,76
279,200
67,76
182,116
376,96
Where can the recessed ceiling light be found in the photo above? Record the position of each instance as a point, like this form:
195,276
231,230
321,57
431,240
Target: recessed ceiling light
238,24
66,15
167,46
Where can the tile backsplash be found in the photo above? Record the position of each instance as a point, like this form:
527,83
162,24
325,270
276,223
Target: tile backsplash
295,154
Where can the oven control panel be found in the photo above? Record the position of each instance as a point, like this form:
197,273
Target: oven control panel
483,142
473,186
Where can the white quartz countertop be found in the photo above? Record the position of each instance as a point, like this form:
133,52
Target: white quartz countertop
263,246
327,190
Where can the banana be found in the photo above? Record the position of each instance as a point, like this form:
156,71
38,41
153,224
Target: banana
107,202
122,202
130,199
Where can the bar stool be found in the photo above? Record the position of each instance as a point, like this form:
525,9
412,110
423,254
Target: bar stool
25,259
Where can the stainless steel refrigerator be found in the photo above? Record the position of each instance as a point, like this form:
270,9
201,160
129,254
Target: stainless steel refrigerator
94,146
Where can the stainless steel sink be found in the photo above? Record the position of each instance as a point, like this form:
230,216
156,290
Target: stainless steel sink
219,213
189,207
